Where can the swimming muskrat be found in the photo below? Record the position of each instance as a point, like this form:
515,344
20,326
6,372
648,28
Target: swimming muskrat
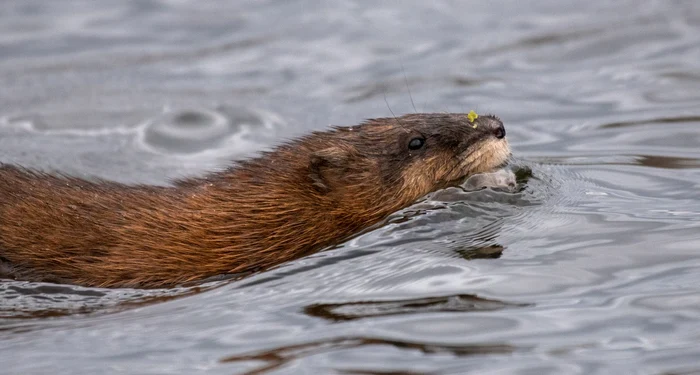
299,198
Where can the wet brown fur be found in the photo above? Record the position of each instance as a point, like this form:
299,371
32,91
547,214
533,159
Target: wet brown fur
295,200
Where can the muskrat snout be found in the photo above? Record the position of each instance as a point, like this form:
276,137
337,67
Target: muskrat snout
495,125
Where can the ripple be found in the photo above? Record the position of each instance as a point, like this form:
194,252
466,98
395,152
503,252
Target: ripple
337,312
28,300
659,121
283,356
196,130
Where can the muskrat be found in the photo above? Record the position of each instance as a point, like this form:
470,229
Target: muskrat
301,197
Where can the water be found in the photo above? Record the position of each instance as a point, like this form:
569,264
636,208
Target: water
591,269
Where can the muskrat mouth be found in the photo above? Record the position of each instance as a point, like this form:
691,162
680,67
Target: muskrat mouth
502,165
498,156
473,163
466,177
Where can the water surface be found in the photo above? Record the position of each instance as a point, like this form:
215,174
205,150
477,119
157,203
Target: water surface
591,268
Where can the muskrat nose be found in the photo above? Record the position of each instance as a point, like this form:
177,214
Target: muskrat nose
500,131
493,125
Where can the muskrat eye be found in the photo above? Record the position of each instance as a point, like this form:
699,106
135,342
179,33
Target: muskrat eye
416,143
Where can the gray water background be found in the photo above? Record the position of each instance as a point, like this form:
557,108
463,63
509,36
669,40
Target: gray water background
592,268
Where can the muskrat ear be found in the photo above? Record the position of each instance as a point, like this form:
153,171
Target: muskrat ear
327,163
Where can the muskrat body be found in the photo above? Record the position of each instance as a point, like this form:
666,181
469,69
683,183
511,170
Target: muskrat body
302,196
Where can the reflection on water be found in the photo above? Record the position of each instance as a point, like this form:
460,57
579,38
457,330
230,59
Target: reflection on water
483,252
588,265
367,309
26,300
279,357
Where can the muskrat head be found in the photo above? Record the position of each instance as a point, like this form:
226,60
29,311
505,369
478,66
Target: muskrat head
411,155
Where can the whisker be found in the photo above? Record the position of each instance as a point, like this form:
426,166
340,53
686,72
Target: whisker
392,113
408,88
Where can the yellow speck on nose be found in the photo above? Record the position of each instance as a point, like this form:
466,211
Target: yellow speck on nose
472,116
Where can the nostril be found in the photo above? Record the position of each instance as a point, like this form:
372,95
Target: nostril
500,132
